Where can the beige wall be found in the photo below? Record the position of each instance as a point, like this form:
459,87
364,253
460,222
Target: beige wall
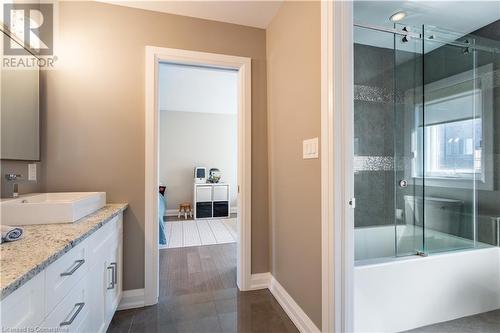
18,168
190,139
294,86
93,134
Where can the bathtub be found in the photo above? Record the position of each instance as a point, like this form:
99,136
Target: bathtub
398,294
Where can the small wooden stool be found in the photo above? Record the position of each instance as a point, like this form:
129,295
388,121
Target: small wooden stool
185,208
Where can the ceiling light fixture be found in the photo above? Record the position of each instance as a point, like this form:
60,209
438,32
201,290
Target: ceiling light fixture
398,16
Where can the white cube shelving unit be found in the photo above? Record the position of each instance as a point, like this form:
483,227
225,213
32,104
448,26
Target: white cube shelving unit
211,201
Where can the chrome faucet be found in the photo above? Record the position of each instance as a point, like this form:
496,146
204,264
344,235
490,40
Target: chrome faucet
15,188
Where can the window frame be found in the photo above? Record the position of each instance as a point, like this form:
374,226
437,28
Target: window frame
483,180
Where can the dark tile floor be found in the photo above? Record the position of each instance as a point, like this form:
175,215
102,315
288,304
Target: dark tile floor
198,293
488,322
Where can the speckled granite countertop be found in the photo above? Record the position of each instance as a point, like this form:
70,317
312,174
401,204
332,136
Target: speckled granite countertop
43,244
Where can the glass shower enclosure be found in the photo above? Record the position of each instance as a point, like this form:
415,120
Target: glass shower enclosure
426,153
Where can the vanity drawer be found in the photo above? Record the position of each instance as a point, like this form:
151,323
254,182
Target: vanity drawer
64,273
71,314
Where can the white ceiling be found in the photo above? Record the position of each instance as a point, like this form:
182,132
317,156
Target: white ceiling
197,89
462,17
250,13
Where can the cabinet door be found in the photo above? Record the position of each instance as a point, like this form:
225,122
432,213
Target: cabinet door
113,273
106,248
96,290
25,307
112,282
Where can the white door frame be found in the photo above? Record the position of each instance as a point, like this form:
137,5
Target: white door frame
337,185
155,55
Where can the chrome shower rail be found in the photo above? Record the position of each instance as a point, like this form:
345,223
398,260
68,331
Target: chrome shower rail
431,37
389,30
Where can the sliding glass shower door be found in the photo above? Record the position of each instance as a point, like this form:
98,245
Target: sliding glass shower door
450,137
423,141
408,189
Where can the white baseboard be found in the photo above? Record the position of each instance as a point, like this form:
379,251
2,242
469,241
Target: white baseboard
175,212
266,281
132,299
171,212
135,299
260,281
303,323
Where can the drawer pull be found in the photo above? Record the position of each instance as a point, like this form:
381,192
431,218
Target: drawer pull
78,307
115,272
112,284
78,263
114,275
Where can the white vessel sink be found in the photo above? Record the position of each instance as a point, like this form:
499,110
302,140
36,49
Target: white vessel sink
46,208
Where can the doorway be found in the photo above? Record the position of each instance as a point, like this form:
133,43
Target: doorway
154,58
198,111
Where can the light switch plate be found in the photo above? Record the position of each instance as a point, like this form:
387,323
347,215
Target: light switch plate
310,148
32,171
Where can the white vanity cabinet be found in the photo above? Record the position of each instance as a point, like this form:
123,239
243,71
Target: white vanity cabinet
79,292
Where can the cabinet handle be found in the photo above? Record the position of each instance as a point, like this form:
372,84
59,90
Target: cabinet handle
78,307
112,285
78,263
115,272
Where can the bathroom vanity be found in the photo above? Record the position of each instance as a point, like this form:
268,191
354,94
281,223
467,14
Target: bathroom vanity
64,276
65,273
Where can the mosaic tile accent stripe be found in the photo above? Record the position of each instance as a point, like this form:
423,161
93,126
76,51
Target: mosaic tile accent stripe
374,94
373,163
384,95
386,163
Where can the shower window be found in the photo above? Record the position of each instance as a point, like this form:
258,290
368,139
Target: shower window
452,143
453,139
454,149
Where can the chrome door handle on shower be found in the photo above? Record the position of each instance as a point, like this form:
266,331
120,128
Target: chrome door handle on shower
403,183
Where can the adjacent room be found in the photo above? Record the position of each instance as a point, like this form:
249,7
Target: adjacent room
197,155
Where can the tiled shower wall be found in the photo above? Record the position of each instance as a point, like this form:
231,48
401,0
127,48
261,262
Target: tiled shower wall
373,135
